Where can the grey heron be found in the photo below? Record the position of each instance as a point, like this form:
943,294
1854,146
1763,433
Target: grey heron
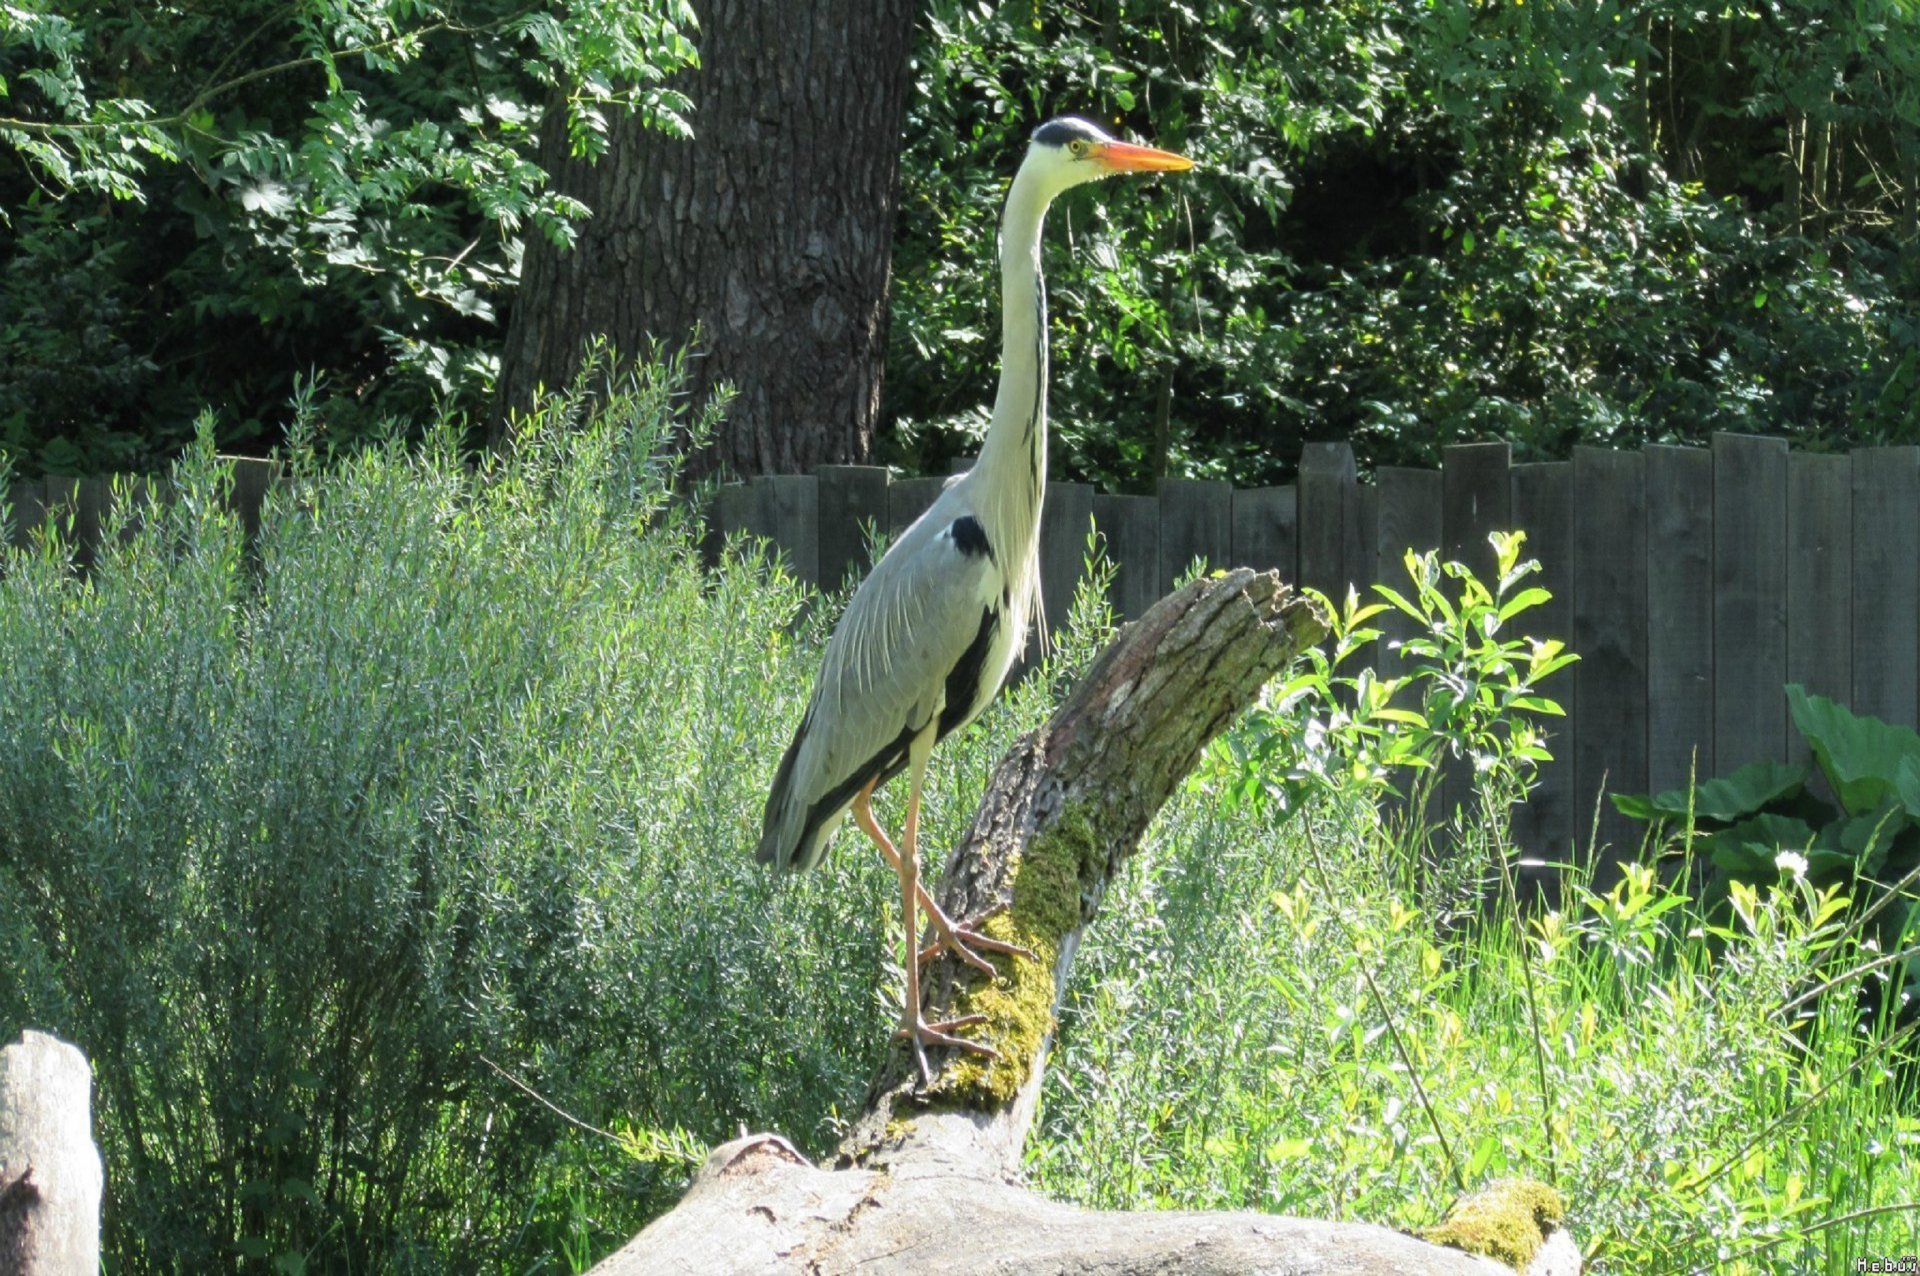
930,634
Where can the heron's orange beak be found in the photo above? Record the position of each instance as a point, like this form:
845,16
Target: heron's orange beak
1124,157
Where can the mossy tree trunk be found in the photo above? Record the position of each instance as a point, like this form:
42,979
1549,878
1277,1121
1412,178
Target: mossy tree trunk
928,1179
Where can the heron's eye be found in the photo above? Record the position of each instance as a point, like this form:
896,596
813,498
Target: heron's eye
1079,147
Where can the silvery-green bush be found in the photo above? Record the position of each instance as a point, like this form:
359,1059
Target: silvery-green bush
454,767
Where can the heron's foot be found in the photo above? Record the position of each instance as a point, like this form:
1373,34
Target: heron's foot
962,939
940,1033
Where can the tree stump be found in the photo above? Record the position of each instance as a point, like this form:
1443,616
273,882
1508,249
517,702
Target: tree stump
928,1179
50,1173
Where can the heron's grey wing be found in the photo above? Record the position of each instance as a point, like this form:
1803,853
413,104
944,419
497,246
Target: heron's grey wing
931,606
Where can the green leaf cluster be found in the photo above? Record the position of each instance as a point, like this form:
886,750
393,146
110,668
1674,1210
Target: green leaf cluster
330,846
1417,224
206,201
1460,695
1860,831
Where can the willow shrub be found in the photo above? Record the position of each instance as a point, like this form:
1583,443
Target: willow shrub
455,768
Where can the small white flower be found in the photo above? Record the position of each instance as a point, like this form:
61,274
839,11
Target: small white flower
1792,862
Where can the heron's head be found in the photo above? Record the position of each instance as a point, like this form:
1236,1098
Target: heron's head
1067,151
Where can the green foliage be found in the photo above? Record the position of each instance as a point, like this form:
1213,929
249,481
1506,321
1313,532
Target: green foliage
1466,700
246,192
1761,823
297,843
1266,1016
324,851
1417,224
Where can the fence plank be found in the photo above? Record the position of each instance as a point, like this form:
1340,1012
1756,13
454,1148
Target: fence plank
1749,600
1266,530
733,508
1679,615
1361,552
1610,635
849,498
29,502
1408,519
1476,498
1131,526
1819,580
1196,521
96,498
796,524
785,509
1886,595
1544,826
1405,515
1327,481
1064,523
908,499
252,476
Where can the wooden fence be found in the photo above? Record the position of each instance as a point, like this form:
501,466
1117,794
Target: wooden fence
1694,583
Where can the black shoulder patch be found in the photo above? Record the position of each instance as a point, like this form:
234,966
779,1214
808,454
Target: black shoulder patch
1060,131
969,537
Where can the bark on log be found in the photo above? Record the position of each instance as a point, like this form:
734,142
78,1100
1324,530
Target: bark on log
50,1172
928,1179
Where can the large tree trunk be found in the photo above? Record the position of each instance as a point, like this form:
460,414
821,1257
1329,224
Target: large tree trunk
771,231
927,1181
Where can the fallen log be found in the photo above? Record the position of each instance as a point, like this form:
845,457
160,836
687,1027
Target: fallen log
928,1181
50,1173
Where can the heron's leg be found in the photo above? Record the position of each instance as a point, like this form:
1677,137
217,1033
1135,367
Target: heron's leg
961,938
913,1026
947,933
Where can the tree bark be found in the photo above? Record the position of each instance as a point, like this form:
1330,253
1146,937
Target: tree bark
770,231
927,1181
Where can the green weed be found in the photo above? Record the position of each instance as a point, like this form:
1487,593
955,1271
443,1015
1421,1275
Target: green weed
1289,1006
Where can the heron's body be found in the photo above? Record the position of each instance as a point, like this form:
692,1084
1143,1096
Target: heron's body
930,634
950,648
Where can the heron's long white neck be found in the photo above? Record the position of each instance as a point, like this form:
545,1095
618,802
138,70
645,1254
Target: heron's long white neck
1011,474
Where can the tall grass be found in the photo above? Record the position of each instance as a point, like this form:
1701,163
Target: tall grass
1230,1034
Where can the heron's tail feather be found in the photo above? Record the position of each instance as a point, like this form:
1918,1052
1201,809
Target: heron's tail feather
795,829
785,818
804,810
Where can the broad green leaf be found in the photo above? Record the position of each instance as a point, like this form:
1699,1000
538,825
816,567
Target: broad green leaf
1521,601
1752,788
1860,755
1635,806
1750,849
1906,783
1867,839
1740,860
